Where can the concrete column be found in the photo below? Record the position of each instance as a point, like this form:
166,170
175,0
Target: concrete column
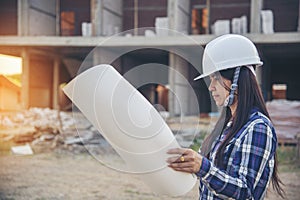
179,15
96,17
106,56
23,17
106,17
208,16
55,86
299,24
171,13
179,20
255,22
179,92
259,75
171,95
25,79
57,19
136,17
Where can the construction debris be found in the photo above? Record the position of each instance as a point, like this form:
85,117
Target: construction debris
22,150
47,129
285,116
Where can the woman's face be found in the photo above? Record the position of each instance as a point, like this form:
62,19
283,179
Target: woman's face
217,87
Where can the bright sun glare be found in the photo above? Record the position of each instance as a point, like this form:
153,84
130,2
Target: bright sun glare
10,65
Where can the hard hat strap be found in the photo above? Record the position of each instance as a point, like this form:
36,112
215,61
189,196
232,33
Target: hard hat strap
233,87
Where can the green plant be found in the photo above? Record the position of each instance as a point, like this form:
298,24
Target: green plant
197,142
286,154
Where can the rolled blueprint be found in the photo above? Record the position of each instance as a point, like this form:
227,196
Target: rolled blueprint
131,125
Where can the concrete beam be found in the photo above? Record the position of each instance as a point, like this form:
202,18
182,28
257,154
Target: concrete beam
138,41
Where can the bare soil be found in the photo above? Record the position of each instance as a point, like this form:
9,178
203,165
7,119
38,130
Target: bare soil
62,175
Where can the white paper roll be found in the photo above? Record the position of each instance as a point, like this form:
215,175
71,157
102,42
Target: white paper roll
131,125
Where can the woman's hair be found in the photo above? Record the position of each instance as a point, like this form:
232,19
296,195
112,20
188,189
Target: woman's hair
249,96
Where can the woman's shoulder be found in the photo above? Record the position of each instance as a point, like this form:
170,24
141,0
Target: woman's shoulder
257,117
260,124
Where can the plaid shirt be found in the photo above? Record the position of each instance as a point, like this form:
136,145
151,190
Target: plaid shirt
248,159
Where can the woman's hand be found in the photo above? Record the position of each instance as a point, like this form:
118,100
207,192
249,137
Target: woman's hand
187,160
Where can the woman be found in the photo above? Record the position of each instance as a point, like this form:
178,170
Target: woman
238,159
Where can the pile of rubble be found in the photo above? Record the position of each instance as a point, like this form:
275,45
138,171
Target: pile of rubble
45,129
285,116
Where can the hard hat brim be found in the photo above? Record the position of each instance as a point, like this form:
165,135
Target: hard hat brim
207,74
201,76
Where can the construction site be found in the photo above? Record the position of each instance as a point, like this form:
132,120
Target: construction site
49,150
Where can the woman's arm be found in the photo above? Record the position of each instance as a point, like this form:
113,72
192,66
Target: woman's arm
245,167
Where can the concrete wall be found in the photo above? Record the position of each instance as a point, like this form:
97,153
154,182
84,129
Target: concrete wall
9,99
10,95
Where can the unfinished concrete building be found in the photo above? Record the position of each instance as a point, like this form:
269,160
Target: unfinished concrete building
54,38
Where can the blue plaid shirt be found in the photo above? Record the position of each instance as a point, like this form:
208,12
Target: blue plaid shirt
248,159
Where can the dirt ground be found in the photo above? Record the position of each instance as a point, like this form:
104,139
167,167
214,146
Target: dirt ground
57,175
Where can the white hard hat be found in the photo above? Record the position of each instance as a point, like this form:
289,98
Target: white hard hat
228,51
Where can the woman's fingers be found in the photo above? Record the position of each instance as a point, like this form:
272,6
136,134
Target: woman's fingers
180,159
180,151
180,165
173,159
187,160
183,155
184,167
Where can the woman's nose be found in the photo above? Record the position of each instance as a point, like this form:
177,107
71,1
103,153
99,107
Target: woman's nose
211,86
